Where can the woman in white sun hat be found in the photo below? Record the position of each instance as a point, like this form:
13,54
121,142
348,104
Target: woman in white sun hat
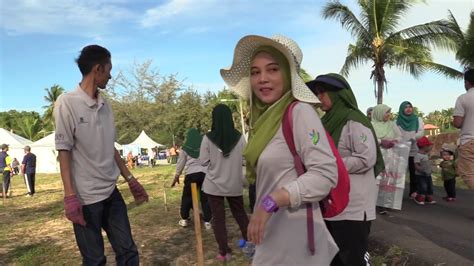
266,71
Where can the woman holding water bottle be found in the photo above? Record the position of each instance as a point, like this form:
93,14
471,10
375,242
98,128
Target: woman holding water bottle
265,70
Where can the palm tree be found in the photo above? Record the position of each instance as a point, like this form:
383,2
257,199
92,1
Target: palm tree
378,40
464,41
52,94
30,128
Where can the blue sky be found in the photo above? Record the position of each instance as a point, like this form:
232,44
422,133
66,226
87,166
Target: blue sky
40,39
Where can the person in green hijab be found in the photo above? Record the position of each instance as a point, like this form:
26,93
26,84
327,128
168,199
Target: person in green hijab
221,151
411,127
266,72
385,129
357,143
388,134
195,173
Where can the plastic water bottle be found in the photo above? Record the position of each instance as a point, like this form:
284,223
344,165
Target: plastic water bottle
248,248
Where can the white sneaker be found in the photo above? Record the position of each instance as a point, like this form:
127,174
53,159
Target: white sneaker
183,222
207,225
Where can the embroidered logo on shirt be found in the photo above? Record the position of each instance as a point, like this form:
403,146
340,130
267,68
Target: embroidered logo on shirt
82,121
363,138
314,137
59,137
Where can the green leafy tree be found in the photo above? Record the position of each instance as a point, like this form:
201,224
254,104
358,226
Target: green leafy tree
30,127
441,119
52,94
380,42
143,99
464,41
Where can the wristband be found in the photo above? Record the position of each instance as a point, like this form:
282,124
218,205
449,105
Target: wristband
269,204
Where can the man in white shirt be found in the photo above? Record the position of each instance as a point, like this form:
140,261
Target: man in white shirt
464,119
90,164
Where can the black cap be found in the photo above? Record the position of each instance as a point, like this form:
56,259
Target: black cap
326,80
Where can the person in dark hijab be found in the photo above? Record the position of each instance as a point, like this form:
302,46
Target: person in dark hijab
195,173
356,141
221,151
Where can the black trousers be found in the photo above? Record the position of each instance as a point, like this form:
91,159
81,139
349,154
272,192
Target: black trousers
6,181
450,187
187,199
30,183
110,215
352,238
219,227
413,177
252,196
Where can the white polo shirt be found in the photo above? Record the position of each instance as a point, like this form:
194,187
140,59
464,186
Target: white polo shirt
465,108
85,127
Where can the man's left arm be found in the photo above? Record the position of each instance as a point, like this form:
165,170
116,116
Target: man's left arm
458,113
121,165
457,121
138,192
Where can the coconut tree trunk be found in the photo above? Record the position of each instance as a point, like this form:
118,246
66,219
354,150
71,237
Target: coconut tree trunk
380,85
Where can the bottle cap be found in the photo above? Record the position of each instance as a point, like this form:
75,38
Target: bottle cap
242,243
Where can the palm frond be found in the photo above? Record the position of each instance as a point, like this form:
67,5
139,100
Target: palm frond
356,55
436,34
453,24
439,69
342,13
465,54
386,14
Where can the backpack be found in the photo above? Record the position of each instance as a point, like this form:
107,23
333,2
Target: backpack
338,198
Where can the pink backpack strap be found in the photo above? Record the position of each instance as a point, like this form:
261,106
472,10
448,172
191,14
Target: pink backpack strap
287,127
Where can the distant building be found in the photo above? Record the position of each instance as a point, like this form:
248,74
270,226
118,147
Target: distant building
431,130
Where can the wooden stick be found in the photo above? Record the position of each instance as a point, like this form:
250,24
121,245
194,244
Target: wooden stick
4,194
197,225
164,197
10,191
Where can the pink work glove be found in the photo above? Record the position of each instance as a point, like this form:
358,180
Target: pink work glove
138,191
73,210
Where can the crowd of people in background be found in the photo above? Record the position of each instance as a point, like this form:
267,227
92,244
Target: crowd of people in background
9,168
286,221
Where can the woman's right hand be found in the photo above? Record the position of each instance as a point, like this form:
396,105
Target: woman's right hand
175,180
387,144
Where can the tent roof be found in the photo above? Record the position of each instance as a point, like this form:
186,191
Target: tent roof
430,126
144,141
46,141
50,141
13,139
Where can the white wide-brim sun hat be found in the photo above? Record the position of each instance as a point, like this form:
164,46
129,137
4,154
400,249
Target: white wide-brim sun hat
237,77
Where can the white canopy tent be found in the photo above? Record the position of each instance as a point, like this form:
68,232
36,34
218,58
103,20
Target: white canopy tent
16,143
46,155
144,142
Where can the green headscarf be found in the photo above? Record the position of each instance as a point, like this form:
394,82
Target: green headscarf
344,108
407,122
265,119
193,143
223,133
383,129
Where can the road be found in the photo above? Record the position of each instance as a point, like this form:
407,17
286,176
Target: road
441,234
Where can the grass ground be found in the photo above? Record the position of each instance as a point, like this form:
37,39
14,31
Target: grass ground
34,231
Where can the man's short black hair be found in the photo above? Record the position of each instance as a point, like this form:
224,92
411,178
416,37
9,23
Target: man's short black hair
469,76
90,56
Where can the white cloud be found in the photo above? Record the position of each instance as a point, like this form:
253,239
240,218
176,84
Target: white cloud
86,18
157,15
